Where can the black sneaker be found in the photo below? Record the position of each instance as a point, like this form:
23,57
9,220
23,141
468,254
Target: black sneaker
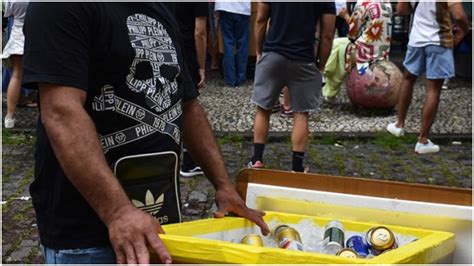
190,172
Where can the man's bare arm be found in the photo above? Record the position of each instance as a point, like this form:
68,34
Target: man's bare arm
327,27
205,151
76,145
200,36
404,8
460,20
263,13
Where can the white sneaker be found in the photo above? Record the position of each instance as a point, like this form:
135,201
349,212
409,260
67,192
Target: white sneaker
9,122
429,147
445,85
396,131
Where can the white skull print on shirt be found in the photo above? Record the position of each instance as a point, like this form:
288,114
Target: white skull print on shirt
155,67
152,73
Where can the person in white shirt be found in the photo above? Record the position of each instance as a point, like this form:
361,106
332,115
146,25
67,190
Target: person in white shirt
430,52
234,20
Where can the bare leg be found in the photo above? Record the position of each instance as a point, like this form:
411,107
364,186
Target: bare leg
300,132
14,87
430,108
404,99
261,126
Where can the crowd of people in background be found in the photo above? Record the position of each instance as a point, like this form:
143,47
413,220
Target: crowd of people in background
120,79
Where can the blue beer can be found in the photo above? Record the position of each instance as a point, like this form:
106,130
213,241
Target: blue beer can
357,243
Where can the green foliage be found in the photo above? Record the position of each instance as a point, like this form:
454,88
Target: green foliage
327,140
387,140
230,138
316,159
14,138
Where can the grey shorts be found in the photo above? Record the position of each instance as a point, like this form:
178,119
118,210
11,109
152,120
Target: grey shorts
274,71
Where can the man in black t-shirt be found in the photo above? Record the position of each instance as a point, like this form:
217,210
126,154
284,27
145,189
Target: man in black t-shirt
288,60
112,83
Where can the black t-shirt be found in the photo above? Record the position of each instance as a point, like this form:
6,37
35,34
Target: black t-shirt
292,28
128,58
186,14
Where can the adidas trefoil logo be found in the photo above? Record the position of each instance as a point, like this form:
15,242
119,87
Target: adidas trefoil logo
151,205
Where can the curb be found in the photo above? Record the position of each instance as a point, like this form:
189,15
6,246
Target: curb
348,136
340,136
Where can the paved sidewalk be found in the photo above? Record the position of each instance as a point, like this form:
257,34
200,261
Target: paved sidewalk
363,151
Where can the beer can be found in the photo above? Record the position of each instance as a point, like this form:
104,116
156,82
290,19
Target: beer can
357,243
288,238
347,253
379,239
252,240
333,240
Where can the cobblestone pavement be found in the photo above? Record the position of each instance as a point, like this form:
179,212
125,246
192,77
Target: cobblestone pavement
230,110
380,156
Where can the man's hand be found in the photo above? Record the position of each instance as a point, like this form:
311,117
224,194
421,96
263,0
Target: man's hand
460,20
203,147
130,230
230,201
202,78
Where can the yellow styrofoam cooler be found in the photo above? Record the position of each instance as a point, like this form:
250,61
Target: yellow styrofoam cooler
186,245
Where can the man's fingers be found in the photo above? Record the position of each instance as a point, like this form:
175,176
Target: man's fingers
263,226
159,247
256,217
130,254
120,257
143,256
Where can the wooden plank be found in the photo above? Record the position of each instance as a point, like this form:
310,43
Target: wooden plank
352,185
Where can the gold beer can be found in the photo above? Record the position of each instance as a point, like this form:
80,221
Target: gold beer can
252,240
347,253
288,238
381,238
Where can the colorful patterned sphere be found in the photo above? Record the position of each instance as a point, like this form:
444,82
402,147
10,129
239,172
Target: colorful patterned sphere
377,88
